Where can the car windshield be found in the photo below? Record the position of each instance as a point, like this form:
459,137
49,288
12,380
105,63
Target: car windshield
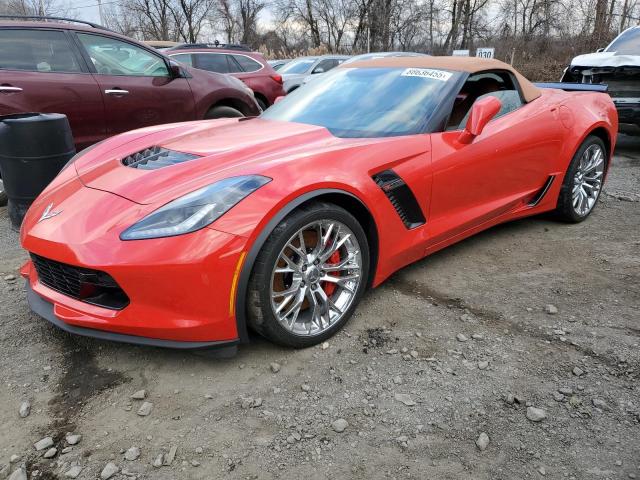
373,56
367,102
298,66
626,44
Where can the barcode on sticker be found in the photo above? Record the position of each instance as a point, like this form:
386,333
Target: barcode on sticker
427,73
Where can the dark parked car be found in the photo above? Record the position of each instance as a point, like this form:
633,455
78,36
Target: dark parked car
105,83
236,60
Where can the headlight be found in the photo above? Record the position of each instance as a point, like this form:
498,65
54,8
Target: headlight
195,210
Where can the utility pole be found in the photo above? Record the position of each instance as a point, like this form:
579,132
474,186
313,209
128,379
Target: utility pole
100,12
368,32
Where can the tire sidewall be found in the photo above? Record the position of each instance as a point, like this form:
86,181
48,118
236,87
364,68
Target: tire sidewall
277,332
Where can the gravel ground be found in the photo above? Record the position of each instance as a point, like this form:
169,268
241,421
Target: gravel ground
512,355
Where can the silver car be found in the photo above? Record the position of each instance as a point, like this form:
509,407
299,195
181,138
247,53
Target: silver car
294,72
370,56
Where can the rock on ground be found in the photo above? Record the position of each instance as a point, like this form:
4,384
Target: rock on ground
340,425
25,409
536,414
109,470
132,454
46,442
405,399
18,474
73,472
73,439
145,409
482,442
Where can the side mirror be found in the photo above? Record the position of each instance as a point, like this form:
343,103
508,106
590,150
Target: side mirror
281,97
317,70
482,112
600,50
175,70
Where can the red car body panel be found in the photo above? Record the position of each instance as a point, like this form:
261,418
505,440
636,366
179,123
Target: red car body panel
191,293
266,82
94,115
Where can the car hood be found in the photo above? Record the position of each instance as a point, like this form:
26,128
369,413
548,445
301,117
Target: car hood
606,59
222,148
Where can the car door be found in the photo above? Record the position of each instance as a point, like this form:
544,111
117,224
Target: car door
42,71
136,84
499,171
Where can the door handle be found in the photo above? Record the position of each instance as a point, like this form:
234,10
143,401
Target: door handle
8,89
116,91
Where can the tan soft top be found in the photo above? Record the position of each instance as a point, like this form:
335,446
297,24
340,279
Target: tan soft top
459,64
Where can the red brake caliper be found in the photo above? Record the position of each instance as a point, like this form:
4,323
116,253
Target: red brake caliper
330,287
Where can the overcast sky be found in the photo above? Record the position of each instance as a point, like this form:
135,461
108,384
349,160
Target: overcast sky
88,10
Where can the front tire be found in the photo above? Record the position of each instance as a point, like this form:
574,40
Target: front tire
583,181
309,276
3,194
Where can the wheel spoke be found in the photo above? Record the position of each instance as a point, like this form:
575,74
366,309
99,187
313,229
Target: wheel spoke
290,263
294,288
297,251
284,303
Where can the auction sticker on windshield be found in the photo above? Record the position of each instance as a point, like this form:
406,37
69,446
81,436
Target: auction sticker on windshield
427,73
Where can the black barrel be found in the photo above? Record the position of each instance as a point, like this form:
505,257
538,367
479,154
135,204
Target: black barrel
33,149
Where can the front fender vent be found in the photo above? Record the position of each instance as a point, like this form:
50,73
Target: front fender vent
153,158
401,197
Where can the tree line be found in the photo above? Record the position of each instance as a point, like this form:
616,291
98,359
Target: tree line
541,34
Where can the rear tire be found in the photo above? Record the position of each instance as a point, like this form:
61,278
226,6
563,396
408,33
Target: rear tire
325,283
583,181
222,111
262,103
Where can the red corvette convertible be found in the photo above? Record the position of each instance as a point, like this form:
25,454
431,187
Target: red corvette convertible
186,235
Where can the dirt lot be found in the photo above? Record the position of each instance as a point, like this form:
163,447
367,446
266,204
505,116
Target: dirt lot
456,345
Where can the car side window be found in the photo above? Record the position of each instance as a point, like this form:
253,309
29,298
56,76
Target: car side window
247,64
234,66
481,85
184,58
325,65
213,62
47,51
114,57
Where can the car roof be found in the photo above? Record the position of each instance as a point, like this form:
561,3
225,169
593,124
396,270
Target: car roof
460,64
66,25
69,26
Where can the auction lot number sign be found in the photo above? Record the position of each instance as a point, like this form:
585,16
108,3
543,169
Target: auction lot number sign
485,52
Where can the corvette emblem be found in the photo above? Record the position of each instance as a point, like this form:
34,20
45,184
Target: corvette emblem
49,213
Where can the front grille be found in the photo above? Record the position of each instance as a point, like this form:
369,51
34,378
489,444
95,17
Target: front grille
153,158
90,286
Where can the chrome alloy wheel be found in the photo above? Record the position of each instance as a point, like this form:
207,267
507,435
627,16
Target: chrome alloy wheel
587,181
316,277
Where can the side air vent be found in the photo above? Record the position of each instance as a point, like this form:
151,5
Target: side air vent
156,157
539,195
401,197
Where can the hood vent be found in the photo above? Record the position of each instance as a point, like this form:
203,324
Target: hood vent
154,158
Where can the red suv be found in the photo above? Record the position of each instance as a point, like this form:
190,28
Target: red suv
106,83
237,60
